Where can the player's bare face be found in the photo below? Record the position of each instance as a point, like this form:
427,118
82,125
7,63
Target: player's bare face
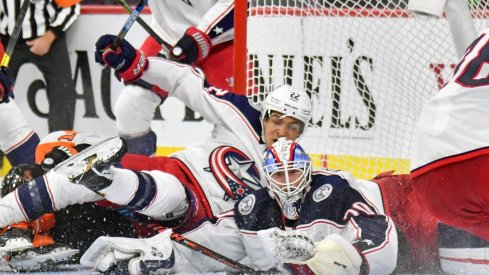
278,125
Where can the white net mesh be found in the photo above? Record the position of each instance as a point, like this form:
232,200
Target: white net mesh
368,66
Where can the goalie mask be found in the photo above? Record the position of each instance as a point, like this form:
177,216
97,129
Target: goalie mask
287,169
290,102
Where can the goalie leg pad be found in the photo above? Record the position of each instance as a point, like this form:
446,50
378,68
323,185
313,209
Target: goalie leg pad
335,255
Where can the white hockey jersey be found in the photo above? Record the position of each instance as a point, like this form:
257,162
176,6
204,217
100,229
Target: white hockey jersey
227,163
171,18
454,124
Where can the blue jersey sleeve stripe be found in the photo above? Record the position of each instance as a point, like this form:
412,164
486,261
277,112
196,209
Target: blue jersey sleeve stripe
145,193
35,199
241,103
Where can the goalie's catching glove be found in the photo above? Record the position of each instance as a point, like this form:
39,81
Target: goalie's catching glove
128,62
6,90
194,46
333,255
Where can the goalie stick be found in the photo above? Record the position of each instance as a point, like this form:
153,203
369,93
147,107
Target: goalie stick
15,33
145,26
129,22
211,253
192,245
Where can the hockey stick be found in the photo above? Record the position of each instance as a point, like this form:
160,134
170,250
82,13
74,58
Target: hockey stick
206,251
15,34
213,254
145,26
129,22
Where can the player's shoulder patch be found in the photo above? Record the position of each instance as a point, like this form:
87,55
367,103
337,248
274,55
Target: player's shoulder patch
247,204
322,192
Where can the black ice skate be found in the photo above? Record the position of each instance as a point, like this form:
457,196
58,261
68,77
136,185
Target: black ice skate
15,239
91,167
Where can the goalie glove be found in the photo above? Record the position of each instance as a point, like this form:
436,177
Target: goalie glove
129,255
333,255
292,246
128,62
194,46
6,90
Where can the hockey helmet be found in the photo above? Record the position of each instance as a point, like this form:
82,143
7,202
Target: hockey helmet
290,102
287,169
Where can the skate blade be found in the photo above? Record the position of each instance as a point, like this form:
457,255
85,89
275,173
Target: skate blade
80,163
31,260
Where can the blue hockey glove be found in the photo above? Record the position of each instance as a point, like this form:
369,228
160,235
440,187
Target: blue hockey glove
6,87
194,46
128,62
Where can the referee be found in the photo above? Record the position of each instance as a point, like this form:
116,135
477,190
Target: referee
43,43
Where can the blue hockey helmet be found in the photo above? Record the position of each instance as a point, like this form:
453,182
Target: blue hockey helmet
287,169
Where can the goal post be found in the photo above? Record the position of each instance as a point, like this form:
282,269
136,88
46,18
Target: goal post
368,66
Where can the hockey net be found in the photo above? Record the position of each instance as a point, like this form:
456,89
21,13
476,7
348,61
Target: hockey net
368,66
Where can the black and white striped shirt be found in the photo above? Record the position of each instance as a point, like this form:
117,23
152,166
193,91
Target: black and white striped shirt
41,16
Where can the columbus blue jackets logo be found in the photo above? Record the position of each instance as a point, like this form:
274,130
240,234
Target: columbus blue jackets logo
234,171
246,205
322,192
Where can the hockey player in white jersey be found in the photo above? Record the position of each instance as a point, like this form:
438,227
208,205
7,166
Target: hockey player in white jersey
450,163
228,157
201,34
316,223
449,167
193,185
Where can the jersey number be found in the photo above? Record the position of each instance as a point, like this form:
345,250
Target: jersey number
68,136
475,73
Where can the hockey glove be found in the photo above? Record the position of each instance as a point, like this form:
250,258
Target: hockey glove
6,89
292,246
20,175
194,46
133,256
128,62
333,255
